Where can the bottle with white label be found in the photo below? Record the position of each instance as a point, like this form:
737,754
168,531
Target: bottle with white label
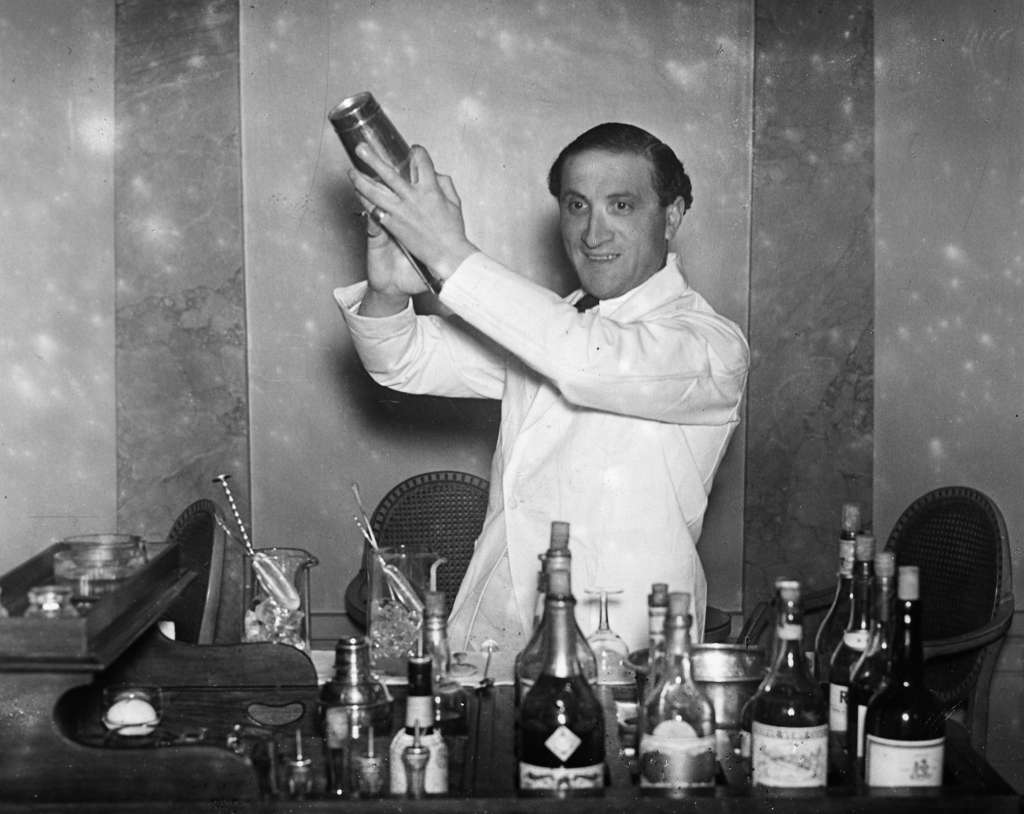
871,671
560,737
677,726
419,719
789,711
904,727
849,650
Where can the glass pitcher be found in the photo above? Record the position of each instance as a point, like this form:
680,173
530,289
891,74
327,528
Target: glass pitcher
394,620
265,620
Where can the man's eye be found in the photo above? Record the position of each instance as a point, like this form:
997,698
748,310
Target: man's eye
575,205
622,206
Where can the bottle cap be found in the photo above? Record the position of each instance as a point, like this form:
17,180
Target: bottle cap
865,547
885,563
434,604
678,603
851,517
909,583
658,596
789,589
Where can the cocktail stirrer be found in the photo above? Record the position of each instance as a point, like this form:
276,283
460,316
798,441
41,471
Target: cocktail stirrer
268,572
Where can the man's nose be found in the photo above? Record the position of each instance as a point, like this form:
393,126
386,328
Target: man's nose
596,232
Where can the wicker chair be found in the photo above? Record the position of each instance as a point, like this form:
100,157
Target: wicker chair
957,537
442,512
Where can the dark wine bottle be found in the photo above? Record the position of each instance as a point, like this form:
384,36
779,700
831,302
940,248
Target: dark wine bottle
530,660
904,726
833,624
872,669
560,734
849,650
789,711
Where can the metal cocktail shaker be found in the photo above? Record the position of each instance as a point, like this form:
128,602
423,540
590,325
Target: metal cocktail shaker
359,118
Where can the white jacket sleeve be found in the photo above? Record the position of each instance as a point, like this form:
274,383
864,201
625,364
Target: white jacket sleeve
423,354
671,359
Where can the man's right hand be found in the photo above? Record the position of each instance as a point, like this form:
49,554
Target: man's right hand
391,278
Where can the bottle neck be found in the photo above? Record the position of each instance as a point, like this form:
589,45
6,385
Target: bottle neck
907,647
435,634
559,656
863,584
656,627
419,704
679,648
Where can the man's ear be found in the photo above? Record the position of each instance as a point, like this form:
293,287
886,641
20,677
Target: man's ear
673,217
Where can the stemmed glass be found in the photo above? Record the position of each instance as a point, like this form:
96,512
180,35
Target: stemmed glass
609,648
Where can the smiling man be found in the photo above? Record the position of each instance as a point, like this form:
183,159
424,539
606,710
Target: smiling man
618,401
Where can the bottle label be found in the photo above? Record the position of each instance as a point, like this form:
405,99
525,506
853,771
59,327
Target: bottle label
856,639
789,756
336,726
789,632
890,762
562,743
862,711
677,763
419,709
560,780
837,695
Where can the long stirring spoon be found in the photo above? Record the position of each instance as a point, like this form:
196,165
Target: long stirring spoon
268,572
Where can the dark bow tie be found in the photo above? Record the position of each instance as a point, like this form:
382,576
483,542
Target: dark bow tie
586,302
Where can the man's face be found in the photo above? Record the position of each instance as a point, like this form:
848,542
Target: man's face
613,228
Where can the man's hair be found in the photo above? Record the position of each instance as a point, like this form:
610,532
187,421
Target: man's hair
669,178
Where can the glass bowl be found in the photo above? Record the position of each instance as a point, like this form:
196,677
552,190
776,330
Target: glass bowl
95,564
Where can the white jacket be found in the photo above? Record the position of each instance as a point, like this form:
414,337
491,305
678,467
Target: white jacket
614,421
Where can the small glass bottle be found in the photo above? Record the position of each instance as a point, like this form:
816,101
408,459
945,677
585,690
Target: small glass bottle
904,726
50,602
789,711
849,650
560,734
677,730
419,714
871,671
833,624
530,660
352,706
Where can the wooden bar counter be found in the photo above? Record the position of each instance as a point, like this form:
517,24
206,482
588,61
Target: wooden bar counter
231,711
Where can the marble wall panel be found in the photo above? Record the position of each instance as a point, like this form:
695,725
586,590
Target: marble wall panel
494,90
181,337
810,397
57,438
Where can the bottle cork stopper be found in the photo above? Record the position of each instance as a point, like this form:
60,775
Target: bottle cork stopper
658,596
885,563
865,547
559,536
434,603
789,589
851,517
678,603
909,587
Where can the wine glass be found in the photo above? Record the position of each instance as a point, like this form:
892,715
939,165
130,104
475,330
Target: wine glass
609,648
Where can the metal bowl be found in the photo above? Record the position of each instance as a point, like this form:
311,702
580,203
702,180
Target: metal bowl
729,675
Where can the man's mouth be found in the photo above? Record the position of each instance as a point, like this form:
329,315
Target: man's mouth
594,257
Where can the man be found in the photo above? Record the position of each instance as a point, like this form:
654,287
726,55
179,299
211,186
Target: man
614,419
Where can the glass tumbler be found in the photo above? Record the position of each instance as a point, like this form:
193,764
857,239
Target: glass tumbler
265,619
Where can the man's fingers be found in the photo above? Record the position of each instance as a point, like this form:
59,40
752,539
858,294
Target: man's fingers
448,188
